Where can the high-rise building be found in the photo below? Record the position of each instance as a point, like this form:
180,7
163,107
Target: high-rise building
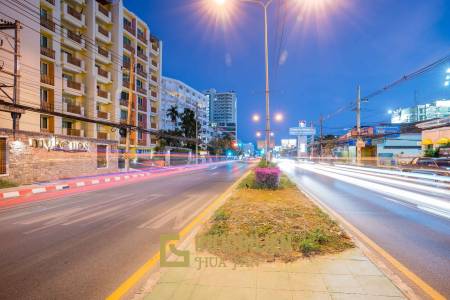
82,70
176,93
223,112
421,112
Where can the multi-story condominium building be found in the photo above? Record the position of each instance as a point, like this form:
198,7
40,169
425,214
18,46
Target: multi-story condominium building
421,112
223,112
76,58
179,94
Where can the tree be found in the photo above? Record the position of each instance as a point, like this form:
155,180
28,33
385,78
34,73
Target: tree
173,114
188,121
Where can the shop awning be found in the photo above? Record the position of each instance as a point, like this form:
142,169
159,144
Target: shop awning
443,141
427,142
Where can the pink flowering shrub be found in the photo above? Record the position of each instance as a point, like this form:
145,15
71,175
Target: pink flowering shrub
267,178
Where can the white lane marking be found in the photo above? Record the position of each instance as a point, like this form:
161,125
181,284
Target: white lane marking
408,196
215,173
96,181
107,179
62,187
81,183
117,178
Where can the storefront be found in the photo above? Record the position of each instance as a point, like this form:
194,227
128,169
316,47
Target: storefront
436,136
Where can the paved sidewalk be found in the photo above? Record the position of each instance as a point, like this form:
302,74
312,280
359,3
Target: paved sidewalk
347,275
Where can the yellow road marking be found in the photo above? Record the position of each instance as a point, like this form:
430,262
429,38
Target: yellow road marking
136,276
430,291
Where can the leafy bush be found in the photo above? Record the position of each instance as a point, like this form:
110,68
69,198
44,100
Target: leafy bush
267,178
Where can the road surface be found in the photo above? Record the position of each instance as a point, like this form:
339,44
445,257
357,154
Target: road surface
406,217
84,246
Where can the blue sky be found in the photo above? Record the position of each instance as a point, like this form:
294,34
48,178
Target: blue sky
316,61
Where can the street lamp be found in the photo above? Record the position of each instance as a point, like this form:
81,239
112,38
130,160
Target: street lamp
258,134
278,117
255,118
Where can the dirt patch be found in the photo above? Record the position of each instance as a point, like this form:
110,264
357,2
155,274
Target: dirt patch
257,225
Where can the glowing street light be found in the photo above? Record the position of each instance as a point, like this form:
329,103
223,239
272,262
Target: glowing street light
278,117
220,2
255,118
390,111
258,134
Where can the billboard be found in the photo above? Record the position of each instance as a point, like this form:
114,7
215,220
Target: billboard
288,143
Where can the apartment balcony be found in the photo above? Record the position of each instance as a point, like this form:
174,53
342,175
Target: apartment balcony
47,106
102,115
126,84
153,96
73,109
72,63
154,126
72,40
142,73
103,76
72,15
103,96
142,38
102,135
142,142
154,110
154,49
123,102
154,80
73,132
142,107
50,2
103,55
80,2
47,79
48,52
102,13
142,56
154,65
142,124
72,87
141,90
126,64
103,34
130,29
48,23
129,47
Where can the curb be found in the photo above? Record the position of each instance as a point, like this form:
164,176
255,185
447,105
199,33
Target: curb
97,181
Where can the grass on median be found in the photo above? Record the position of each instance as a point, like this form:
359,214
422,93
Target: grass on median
257,225
7,184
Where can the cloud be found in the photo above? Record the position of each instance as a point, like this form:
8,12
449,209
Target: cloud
283,57
228,60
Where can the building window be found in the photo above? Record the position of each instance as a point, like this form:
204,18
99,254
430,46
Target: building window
44,95
44,122
101,156
140,135
123,115
44,41
3,155
140,101
44,68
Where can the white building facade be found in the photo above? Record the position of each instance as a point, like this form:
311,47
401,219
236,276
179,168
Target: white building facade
421,112
223,112
176,93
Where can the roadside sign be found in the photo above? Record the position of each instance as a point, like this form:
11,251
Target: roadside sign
302,131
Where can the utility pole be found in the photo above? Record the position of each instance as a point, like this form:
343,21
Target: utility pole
196,133
130,110
359,141
321,136
15,115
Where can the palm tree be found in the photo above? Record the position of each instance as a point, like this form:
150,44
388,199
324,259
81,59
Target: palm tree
173,114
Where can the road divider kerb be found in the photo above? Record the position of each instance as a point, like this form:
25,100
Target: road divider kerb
24,192
419,282
138,275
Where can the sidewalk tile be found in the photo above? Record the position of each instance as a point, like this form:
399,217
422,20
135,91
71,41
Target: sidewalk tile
307,282
229,278
303,266
202,292
265,294
378,286
344,296
363,268
342,284
237,294
162,291
178,275
308,295
183,292
332,266
273,280
273,267
353,254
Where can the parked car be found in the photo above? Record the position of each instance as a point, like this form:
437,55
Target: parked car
430,165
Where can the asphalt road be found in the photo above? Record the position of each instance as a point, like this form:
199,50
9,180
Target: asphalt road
84,246
389,215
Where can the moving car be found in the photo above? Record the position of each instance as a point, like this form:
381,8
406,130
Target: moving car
430,165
